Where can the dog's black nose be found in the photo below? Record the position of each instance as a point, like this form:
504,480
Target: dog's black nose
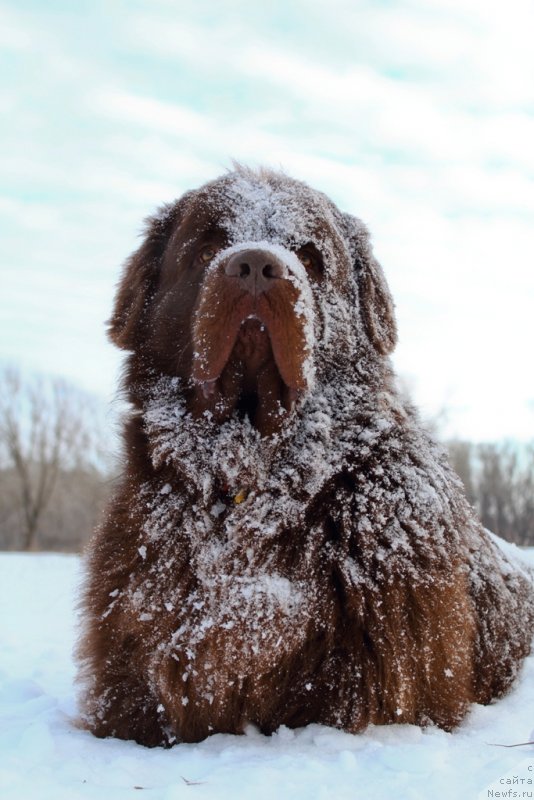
257,270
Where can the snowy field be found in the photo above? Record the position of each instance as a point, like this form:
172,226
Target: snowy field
44,756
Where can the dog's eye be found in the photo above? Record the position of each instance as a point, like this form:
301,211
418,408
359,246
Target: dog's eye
311,259
207,254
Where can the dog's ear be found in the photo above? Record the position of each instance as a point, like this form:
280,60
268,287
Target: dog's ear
139,279
376,304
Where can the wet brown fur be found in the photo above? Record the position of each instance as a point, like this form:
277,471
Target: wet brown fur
379,655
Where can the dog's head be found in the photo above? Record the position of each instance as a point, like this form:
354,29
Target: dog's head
249,290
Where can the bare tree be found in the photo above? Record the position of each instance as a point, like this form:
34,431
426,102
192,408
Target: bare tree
461,457
45,428
499,481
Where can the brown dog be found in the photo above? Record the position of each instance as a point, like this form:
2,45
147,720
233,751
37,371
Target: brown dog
287,544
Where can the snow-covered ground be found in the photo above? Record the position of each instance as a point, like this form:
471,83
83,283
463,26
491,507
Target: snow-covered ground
44,756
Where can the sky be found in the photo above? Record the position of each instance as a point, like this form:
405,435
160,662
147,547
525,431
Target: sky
416,116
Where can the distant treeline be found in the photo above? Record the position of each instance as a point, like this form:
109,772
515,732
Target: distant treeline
65,523
499,481
55,467
57,471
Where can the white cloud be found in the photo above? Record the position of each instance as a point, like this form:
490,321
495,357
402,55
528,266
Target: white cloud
434,118
165,117
416,116
14,34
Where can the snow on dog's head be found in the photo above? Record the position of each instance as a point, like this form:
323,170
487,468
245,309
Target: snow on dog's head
255,291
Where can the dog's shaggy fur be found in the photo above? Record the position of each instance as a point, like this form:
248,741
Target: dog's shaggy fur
287,544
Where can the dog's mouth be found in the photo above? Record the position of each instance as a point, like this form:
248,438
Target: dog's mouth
251,341
249,381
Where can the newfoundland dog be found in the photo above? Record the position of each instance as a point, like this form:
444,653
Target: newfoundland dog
287,544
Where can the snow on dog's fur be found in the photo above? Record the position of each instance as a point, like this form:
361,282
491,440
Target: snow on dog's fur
287,545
